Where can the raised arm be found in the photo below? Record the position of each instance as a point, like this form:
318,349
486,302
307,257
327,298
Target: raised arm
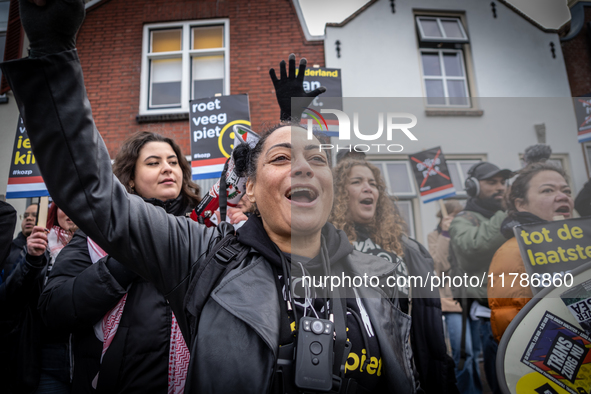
76,168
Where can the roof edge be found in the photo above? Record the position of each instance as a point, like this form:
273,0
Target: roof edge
303,24
352,16
530,20
504,2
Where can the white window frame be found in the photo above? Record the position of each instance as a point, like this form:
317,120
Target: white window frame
438,19
587,153
186,55
382,165
411,224
461,193
444,78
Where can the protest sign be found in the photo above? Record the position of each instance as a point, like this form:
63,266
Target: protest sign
558,351
432,175
330,78
578,301
235,182
24,179
583,115
553,248
524,357
212,136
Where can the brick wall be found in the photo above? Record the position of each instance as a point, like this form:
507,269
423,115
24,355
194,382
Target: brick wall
577,57
262,33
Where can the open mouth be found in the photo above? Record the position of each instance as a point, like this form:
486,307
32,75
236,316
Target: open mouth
301,194
563,210
366,201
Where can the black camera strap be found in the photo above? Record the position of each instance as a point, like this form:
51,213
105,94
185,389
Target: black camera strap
342,346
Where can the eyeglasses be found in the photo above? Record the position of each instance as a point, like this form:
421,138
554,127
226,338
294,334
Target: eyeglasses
27,214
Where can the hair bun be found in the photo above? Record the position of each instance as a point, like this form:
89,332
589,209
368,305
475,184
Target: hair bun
538,153
240,154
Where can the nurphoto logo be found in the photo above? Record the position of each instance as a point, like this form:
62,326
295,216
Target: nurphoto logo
393,124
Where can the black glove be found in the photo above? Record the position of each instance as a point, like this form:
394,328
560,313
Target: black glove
292,86
52,27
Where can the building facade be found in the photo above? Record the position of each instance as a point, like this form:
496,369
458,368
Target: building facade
483,81
144,60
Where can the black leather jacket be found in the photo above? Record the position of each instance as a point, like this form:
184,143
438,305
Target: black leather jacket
234,347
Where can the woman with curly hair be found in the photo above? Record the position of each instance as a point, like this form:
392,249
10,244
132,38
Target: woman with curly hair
365,212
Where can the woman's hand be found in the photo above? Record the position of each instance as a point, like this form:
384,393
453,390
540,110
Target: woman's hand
51,25
292,86
236,215
37,242
446,222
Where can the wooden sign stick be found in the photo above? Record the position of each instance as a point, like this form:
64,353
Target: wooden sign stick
42,211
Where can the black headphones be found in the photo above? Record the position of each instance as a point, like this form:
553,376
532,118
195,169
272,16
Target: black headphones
471,184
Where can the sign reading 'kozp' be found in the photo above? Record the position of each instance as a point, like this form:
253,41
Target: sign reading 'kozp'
212,135
24,179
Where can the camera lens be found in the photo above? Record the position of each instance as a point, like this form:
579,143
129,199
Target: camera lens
317,327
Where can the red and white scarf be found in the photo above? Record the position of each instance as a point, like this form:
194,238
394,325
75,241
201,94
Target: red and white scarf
105,330
57,239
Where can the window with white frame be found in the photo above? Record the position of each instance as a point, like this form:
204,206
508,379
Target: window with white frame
183,61
437,29
400,184
587,146
458,170
443,66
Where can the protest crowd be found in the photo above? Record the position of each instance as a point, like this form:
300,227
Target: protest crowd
127,288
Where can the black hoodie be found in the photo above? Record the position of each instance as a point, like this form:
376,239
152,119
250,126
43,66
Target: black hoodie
362,365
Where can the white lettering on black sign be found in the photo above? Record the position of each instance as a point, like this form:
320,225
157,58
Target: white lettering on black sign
566,356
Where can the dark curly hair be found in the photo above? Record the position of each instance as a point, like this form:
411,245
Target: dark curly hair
124,166
385,228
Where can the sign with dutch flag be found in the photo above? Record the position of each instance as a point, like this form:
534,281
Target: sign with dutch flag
212,134
583,115
432,175
24,179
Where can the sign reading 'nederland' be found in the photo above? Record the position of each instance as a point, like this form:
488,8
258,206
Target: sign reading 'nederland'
554,247
432,175
212,135
24,179
583,115
331,79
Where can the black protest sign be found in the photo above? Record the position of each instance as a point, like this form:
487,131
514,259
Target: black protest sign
553,247
432,175
558,351
330,78
212,135
24,179
583,115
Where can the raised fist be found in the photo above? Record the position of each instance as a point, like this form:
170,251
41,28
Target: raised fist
51,25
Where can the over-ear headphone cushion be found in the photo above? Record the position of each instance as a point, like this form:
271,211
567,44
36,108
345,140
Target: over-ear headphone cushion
472,186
